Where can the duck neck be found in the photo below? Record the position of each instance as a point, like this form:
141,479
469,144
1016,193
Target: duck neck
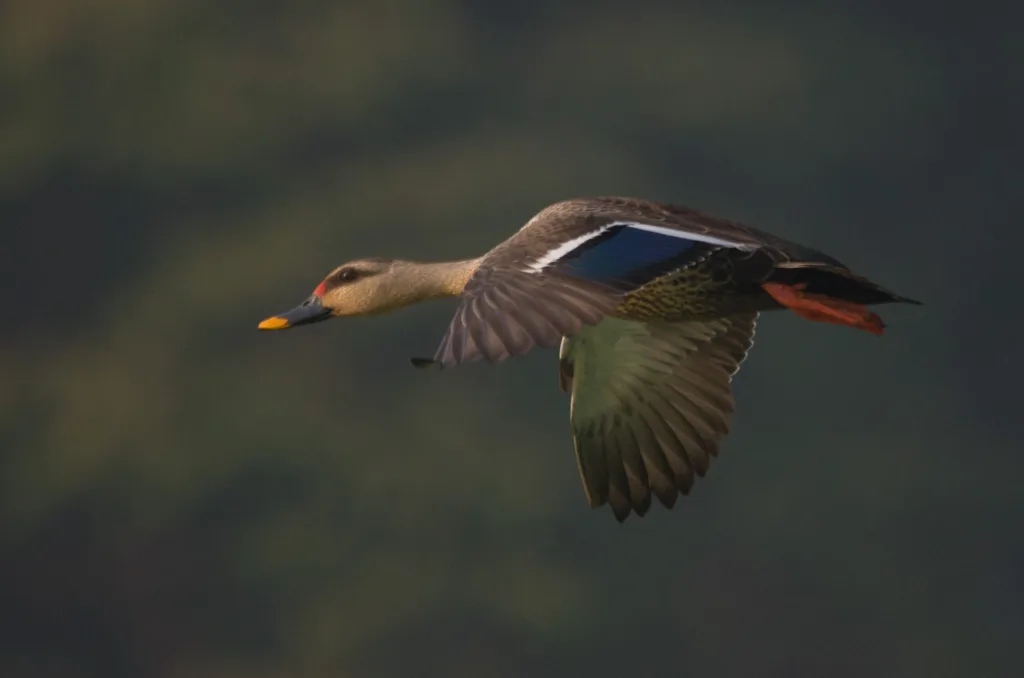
437,279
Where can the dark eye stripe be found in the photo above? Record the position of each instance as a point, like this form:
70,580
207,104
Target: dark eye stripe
347,275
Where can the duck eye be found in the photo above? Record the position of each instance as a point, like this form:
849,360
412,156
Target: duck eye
347,275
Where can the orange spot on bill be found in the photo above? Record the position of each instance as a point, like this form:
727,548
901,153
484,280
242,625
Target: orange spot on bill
320,289
824,309
273,323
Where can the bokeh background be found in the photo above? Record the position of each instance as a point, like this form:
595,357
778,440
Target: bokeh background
183,496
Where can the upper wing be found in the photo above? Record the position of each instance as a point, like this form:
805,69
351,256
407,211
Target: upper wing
507,312
650,404
542,285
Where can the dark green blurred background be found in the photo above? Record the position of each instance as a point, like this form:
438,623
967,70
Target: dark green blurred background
183,496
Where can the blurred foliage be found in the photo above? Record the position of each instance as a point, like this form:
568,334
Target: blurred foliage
183,496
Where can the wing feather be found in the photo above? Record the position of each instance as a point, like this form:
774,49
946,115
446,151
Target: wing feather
651,402
672,448
508,312
537,325
636,471
659,473
618,484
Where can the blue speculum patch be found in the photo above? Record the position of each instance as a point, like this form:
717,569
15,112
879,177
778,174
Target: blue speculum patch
621,253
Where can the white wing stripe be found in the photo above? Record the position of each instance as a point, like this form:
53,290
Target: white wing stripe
556,253
685,235
553,255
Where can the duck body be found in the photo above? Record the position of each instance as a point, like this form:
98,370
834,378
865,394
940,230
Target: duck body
654,308
637,260
729,281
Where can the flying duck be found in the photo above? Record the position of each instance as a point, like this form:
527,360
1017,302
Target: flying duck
654,307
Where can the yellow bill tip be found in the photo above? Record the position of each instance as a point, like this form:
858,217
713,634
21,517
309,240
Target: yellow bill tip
274,323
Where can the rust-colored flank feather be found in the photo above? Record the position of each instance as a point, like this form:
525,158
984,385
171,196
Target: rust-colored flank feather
824,309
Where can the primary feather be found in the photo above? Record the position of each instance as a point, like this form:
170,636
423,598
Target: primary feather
650,404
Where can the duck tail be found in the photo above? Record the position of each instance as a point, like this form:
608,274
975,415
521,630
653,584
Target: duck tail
836,282
831,294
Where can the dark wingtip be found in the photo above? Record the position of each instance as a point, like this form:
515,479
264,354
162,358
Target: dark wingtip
621,513
423,363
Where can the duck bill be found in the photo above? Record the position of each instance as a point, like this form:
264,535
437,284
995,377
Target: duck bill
310,311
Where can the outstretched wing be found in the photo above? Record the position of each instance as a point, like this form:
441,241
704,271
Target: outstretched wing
507,312
552,279
650,404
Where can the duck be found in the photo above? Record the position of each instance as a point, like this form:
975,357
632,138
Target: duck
653,307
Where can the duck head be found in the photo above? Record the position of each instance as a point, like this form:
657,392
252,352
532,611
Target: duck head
374,286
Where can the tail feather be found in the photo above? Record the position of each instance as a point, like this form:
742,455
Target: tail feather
835,282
